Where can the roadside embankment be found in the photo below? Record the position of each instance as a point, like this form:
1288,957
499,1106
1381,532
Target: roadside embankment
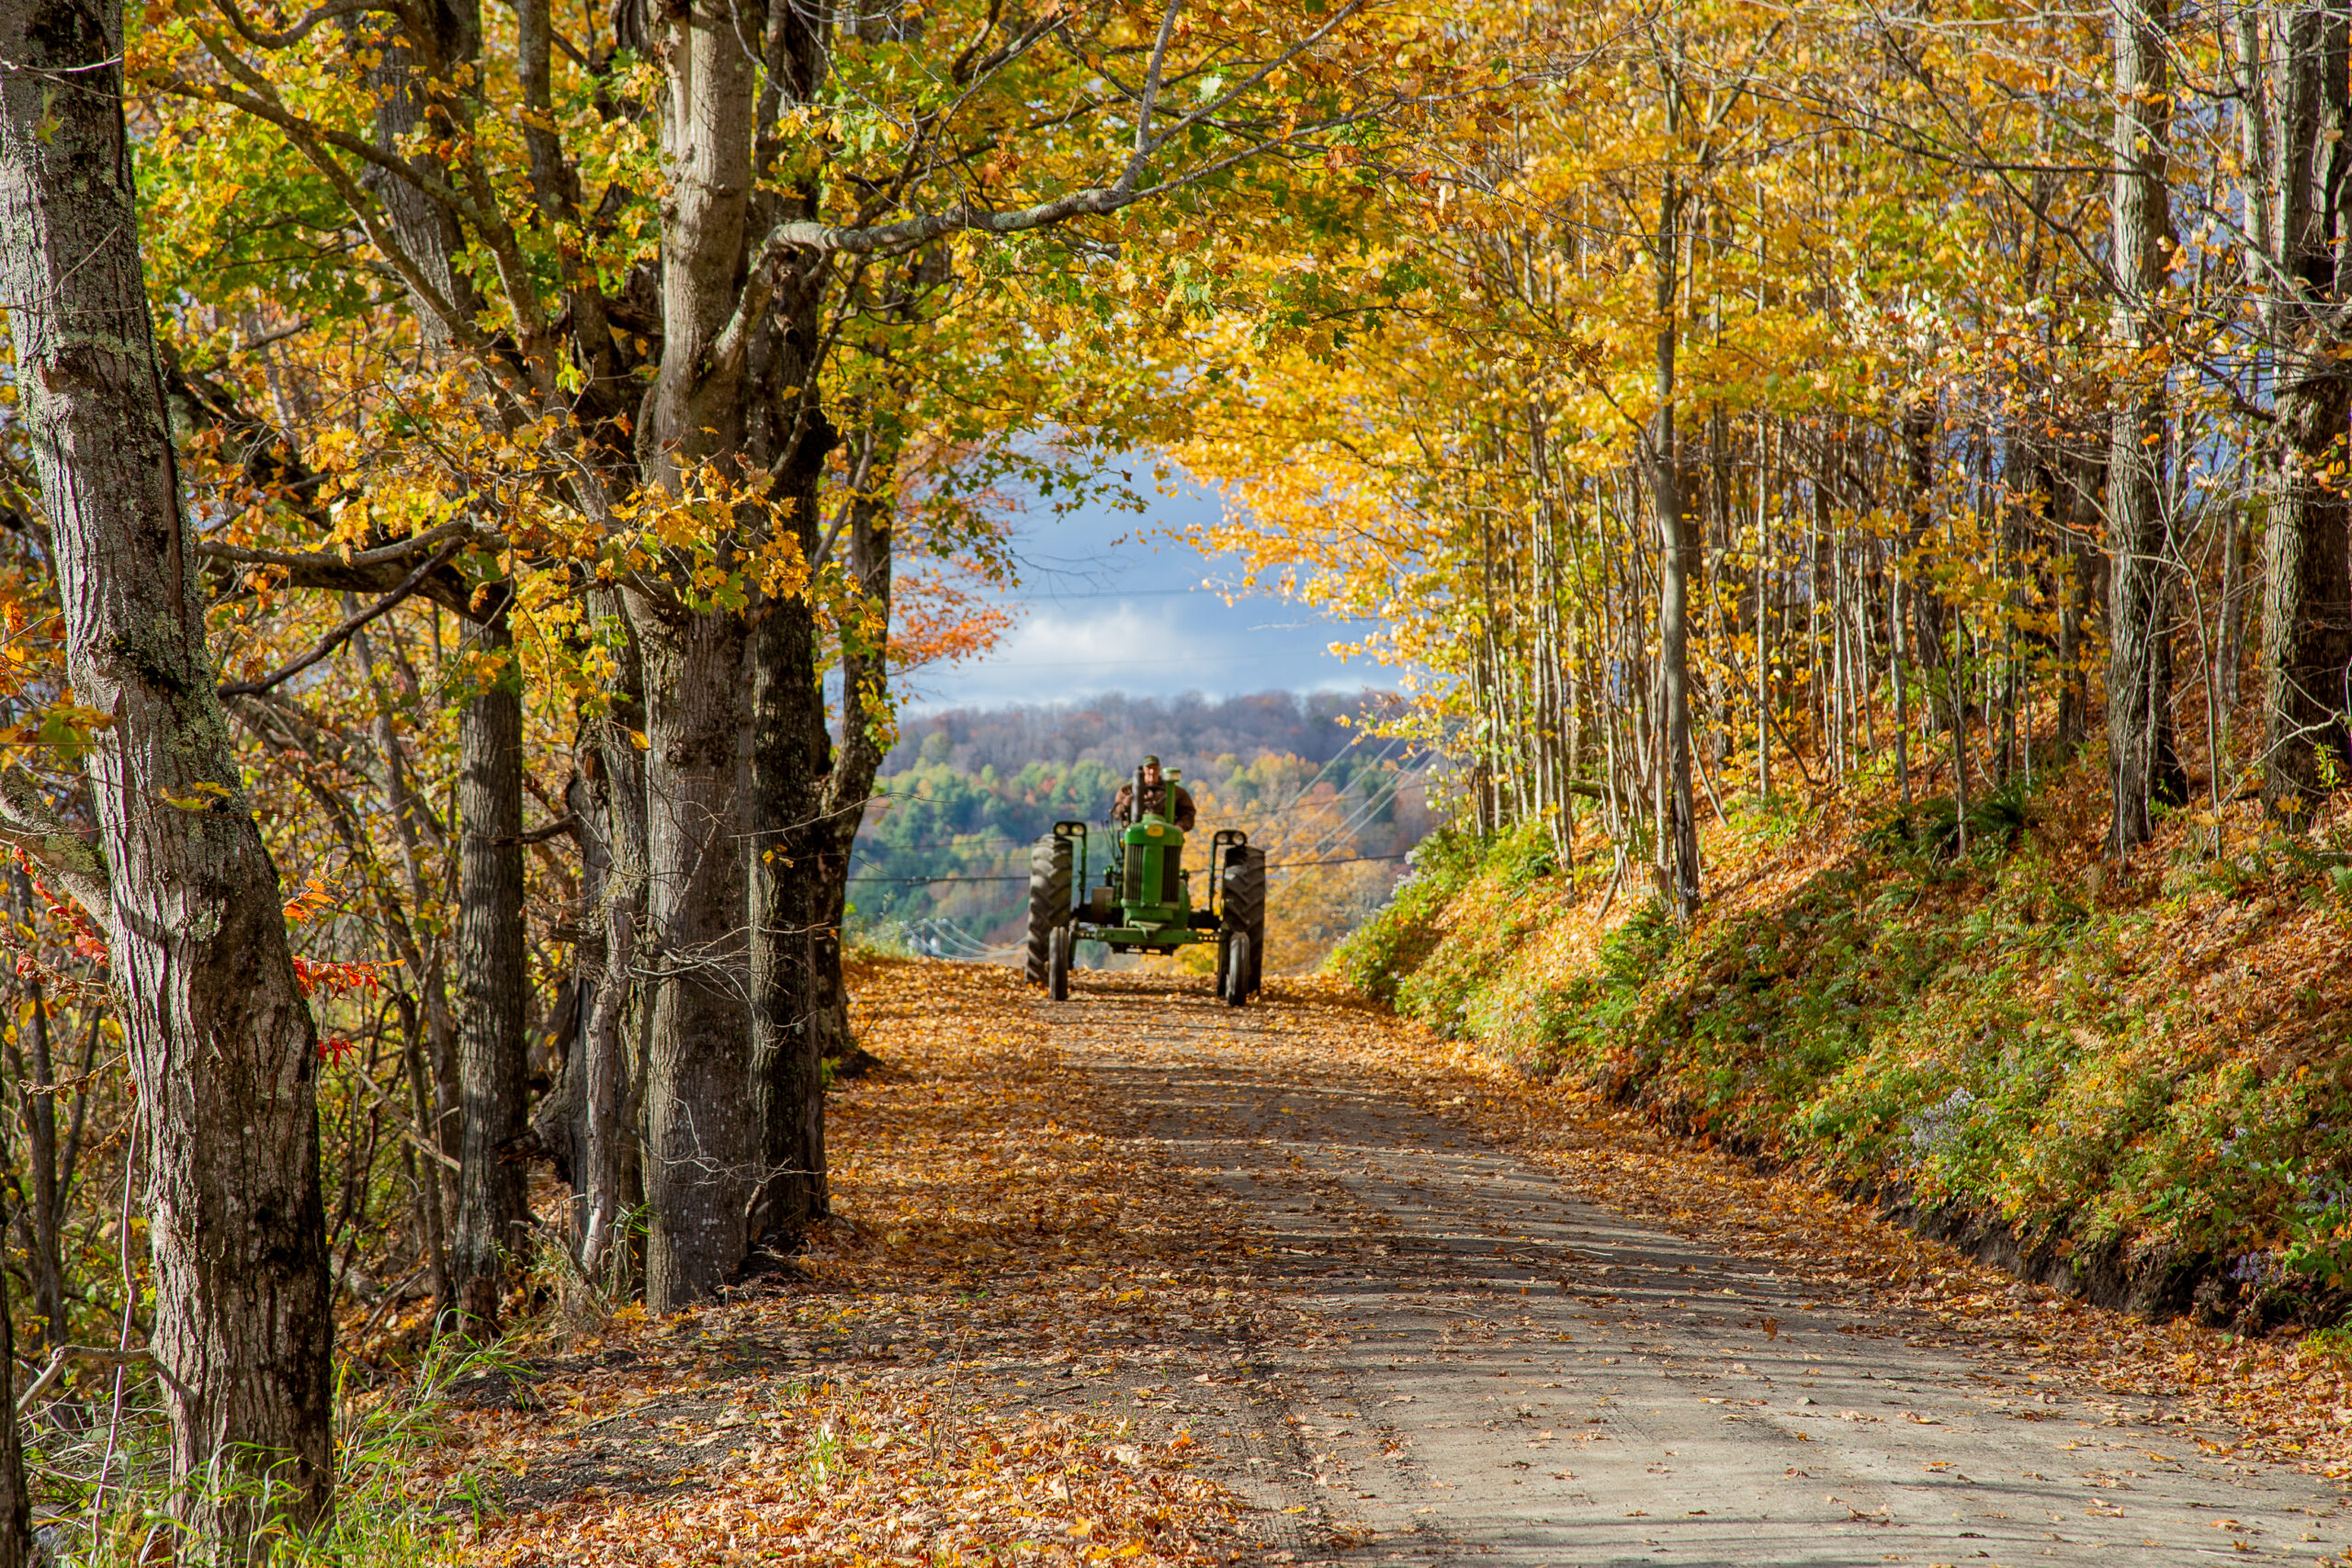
2131,1082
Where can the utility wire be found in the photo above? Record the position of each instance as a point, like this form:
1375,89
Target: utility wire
1282,865
1373,800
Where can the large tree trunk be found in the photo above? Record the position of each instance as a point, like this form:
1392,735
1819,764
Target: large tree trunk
493,1218
2307,553
699,1154
697,1114
221,1044
2144,766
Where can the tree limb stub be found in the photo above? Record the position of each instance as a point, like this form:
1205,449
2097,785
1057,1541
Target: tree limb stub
65,1354
30,823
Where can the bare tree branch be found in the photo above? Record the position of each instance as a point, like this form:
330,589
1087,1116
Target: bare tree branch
336,637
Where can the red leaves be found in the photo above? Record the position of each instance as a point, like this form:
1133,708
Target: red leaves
322,977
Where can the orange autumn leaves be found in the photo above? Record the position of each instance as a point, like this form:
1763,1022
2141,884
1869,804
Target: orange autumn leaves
993,1215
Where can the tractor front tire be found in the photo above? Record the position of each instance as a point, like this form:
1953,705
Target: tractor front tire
1234,983
1058,964
1244,912
1049,911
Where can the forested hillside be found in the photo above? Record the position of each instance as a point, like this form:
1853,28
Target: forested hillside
1115,730
1856,499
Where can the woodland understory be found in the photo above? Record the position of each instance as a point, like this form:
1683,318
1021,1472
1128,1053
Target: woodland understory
473,477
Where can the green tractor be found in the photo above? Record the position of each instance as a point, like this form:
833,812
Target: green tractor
1144,901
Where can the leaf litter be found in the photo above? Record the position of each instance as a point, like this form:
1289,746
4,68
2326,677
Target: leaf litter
990,1354
966,1366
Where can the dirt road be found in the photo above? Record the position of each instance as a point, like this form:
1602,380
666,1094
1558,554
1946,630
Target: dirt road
1496,1368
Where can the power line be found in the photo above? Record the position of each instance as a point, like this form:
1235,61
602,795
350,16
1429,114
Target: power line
1279,865
1298,801
1373,800
929,881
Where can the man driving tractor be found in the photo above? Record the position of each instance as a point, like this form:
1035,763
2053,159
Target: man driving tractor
1155,799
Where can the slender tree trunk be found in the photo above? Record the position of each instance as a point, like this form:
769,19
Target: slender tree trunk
41,1223
1763,613
1924,632
791,981
2228,639
493,1218
16,1497
2144,767
2085,585
607,1172
558,1124
1678,825
795,959
221,1044
796,936
434,1035
866,686
2307,564
791,754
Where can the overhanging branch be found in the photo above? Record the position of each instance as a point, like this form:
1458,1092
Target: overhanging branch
341,634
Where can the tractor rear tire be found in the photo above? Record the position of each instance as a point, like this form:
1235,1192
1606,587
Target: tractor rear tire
1058,964
1049,911
1245,910
1234,983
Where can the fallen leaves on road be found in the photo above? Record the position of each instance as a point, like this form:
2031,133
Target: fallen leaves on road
1001,1242
978,1362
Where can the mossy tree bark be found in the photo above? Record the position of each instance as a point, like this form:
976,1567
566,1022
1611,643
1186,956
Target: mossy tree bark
221,1043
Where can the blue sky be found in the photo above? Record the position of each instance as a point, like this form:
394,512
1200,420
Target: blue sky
1107,603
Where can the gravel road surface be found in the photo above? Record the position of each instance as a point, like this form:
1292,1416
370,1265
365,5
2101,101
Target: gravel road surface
1514,1375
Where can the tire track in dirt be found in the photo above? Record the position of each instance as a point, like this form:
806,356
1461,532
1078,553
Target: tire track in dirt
1497,1370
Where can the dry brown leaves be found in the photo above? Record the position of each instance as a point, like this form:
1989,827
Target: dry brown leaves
997,1224
1003,1221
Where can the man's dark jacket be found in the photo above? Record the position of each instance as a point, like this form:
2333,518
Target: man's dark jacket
1155,798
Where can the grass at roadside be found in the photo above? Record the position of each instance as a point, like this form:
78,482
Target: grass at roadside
2143,1070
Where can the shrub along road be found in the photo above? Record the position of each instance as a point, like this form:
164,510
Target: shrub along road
1139,1278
